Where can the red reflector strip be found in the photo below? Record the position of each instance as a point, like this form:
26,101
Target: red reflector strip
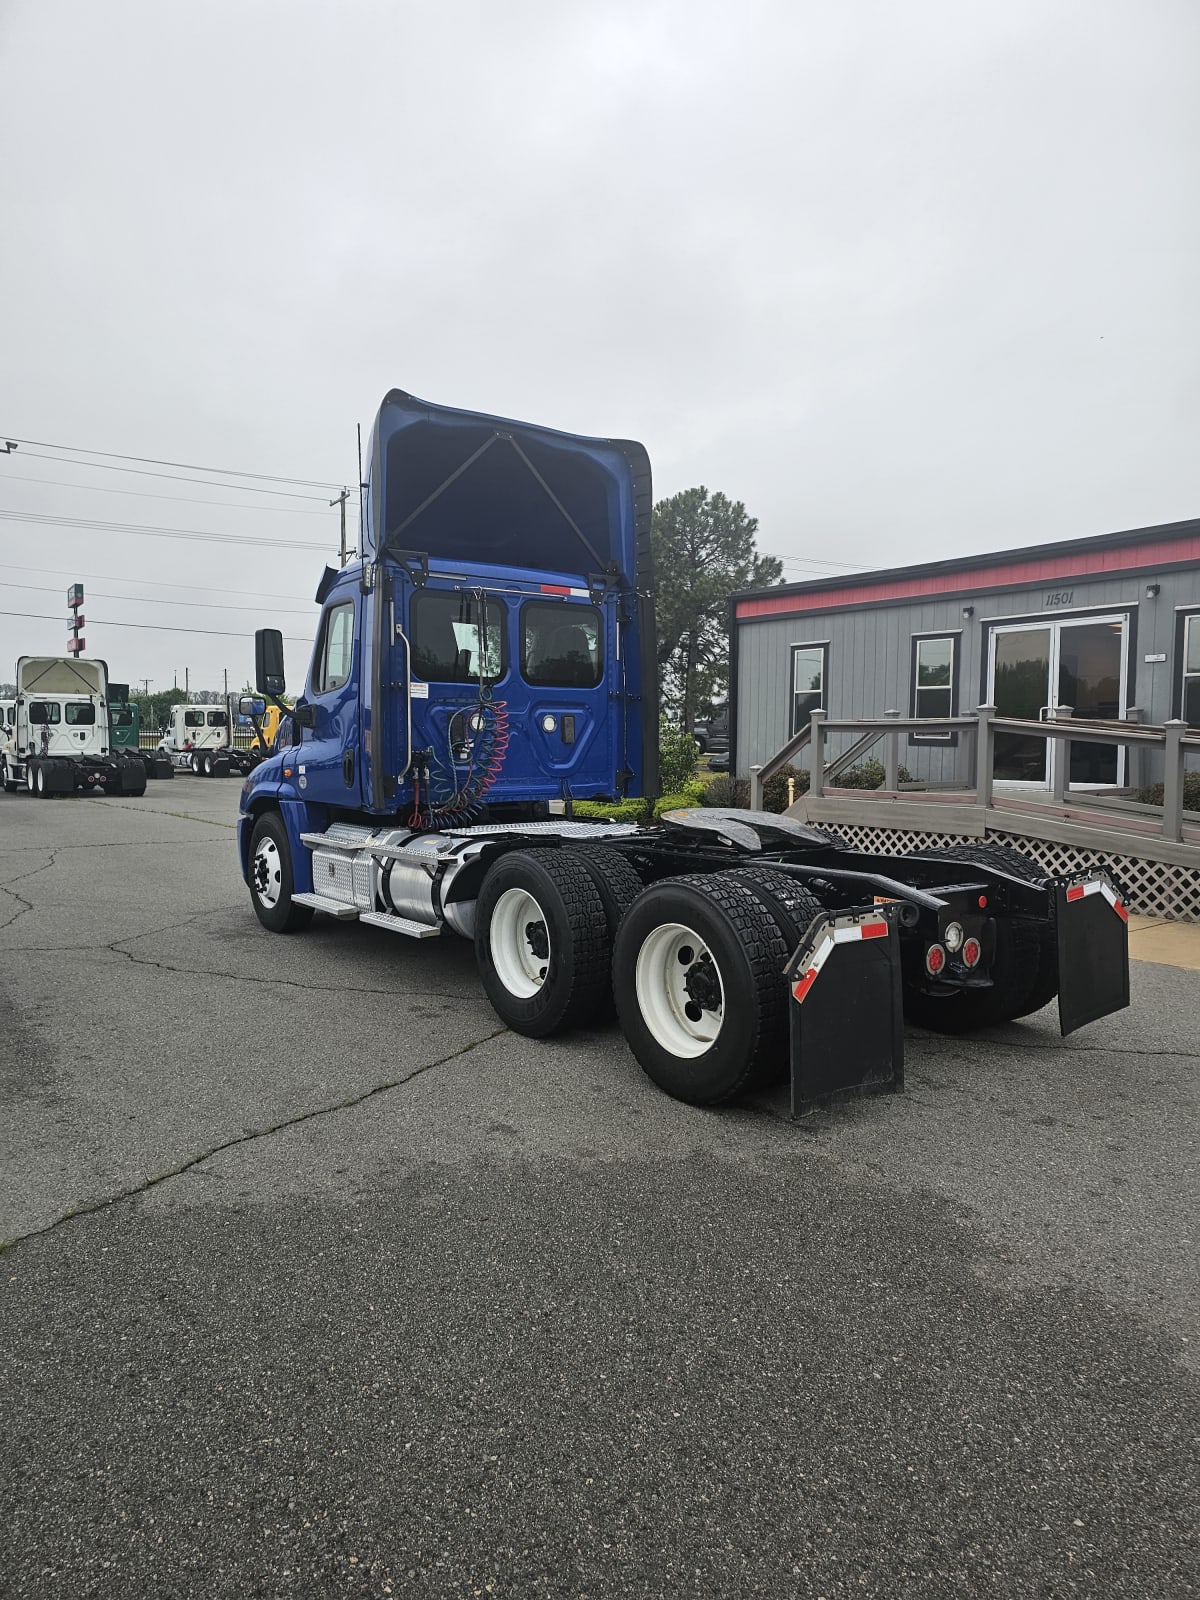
874,930
562,588
1076,893
802,985
1120,910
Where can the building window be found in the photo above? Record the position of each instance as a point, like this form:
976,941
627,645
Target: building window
1191,671
934,682
808,683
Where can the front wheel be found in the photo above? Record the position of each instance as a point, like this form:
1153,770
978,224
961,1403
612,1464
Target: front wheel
10,783
271,877
541,942
698,981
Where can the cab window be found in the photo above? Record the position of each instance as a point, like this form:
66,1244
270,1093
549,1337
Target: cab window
121,719
45,711
193,719
457,638
337,649
561,645
217,719
81,715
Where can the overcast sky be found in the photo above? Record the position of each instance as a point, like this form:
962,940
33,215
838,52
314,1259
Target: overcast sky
909,280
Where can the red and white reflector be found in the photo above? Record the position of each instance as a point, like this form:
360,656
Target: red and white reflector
562,588
1101,886
850,933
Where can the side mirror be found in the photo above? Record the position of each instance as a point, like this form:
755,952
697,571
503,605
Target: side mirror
268,661
249,707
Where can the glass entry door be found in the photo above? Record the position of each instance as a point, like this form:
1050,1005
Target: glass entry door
1085,661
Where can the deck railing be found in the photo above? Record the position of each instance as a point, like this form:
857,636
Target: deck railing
1174,741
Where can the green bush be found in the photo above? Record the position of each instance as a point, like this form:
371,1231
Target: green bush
678,757
868,774
692,794
775,790
612,810
726,791
1153,796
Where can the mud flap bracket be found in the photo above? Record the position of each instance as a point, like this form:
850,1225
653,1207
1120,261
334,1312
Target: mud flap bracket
1093,950
847,1020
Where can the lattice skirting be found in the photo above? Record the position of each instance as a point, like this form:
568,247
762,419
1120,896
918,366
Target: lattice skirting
1153,888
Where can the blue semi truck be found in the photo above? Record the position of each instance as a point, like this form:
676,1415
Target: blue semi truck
492,652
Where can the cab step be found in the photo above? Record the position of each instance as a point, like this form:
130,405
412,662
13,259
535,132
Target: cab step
388,919
322,902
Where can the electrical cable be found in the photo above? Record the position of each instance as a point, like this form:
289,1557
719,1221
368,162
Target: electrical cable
152,627
184,466
151,600
174,477
182,499
89,524
154,583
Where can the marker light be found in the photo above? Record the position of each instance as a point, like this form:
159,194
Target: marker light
972,952
935,960
953,936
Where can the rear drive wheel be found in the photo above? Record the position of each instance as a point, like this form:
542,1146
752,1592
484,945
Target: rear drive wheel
540,942
195,763
31,767
209,766
618,884
698,981
271,877
40,786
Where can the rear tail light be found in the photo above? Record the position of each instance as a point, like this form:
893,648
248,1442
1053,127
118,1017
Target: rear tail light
972,952
952,936
935,960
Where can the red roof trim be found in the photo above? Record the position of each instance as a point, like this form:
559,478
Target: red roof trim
1042,570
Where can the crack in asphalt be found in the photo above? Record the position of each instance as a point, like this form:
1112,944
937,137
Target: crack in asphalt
251,1137
1029,1048
23,904
156,811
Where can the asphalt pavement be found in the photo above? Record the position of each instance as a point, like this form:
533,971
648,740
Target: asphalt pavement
319,1282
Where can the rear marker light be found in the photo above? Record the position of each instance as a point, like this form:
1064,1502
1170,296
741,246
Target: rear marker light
935,960
953,936
874,930
983,902
972,952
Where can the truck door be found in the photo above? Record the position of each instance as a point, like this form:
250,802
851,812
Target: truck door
328,759
566,671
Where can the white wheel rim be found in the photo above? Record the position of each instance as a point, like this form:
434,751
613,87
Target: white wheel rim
268,873
519,941
30,782
41,780
675,971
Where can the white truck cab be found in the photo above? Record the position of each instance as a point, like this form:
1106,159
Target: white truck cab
200,739
58,738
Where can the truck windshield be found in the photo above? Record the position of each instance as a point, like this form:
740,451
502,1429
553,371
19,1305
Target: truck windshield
45,711
447,632
81,714
217,719
560,645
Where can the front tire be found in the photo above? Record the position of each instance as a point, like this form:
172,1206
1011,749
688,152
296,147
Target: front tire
271,877
10,783
541,943
698,982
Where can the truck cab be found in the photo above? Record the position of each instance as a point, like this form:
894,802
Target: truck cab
60,738
485,656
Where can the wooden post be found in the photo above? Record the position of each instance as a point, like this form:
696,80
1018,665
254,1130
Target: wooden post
1172,821
817,744
1134,755
985,755
891,756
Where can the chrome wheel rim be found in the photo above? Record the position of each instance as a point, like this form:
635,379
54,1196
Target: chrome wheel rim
268,873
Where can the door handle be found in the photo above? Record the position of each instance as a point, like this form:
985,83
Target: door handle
348,768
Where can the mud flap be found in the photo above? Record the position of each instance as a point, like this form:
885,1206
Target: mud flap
847,1020
1093,951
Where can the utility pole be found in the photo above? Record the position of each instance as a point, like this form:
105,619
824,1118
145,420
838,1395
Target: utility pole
146,682
187,689
341,501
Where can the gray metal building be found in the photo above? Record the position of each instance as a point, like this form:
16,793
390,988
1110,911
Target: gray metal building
1107,626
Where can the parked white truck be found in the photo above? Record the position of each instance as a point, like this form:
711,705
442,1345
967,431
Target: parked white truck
199,739
59,740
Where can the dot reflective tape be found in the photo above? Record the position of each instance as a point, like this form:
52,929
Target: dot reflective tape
1101,886
850,933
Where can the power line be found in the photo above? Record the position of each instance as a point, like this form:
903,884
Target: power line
152,600
186,499
151,627
151,583
184,466
140,472
88,524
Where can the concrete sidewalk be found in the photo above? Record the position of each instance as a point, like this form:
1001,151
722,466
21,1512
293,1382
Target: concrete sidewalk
1171,944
